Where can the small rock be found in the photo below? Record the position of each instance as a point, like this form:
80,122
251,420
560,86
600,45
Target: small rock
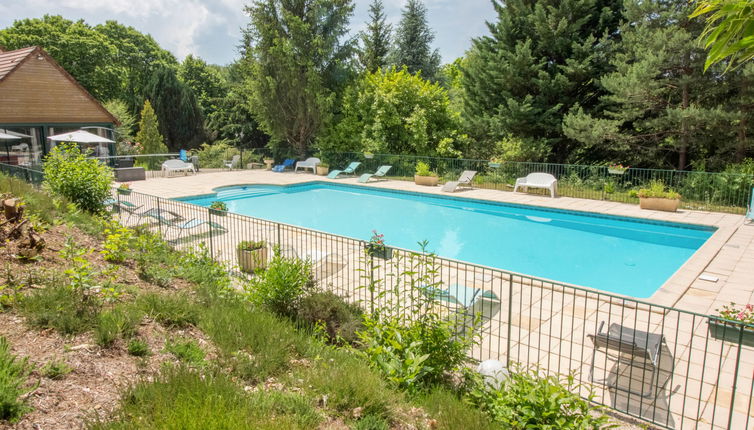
79,347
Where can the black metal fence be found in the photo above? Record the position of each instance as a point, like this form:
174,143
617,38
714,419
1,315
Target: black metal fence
720,192
669,367
672,368
32,176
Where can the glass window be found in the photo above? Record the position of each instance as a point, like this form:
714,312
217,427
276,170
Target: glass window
24,151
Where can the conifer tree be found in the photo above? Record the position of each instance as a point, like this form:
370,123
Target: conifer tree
376,39
660,105
541,58
297,53
413,42
181,120
149,135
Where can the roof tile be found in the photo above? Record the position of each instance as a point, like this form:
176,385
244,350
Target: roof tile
9,60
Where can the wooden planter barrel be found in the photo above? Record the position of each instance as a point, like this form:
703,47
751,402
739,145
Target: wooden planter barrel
253,260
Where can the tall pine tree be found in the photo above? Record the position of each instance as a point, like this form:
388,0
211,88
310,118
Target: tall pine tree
413,42
660,107
376,39
298,61
541,58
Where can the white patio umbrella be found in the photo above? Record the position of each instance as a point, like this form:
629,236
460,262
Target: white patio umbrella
4,136
79,136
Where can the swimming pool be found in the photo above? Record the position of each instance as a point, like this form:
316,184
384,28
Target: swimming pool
627,256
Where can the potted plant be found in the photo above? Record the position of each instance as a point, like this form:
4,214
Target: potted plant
124,188
424,176
368,155
323,169
252,255
657,198
218,208
376,247
495,162
735,323
617,169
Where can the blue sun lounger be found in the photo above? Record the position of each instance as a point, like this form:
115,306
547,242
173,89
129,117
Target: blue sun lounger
348,170
381,172
288,162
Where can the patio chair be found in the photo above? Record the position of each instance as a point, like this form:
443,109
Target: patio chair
632,345
176,165
538,180
233,162
288,162
459,295
347,171
309,163
463,181
749,217
322,261
380,173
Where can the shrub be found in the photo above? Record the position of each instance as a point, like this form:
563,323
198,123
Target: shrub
55,369
198,266
117,243
422,169
66,310
138,347
341,320
71,174
251,245
186,350
282,286
218,205
172,311
408,339
13,386
525,400
118,322
213,156
657,190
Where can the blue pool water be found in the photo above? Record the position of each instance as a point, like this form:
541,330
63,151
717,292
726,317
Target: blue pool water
628,256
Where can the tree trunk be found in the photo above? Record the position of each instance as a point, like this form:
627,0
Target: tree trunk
684,148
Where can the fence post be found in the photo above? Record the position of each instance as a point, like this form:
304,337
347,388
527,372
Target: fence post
735,373
211,244
159,218
278,231
510,321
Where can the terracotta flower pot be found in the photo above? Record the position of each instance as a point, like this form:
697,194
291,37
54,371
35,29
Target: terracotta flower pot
429,181
253,260
659,204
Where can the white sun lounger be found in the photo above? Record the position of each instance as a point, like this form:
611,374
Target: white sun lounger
463,181
538,180
170,166
309,163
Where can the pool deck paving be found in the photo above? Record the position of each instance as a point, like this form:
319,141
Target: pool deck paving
550,326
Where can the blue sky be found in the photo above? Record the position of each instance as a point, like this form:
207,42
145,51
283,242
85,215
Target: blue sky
211,28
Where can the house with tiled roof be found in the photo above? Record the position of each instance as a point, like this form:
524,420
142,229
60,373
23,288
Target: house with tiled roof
38,98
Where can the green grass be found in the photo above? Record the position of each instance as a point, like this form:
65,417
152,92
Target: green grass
55,369
174,311
186,350
61,308
138,348
13,383
184,399
349,383
451,412
121,321
255,343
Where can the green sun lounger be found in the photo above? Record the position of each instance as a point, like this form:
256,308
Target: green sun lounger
381,172
348,170
750,211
